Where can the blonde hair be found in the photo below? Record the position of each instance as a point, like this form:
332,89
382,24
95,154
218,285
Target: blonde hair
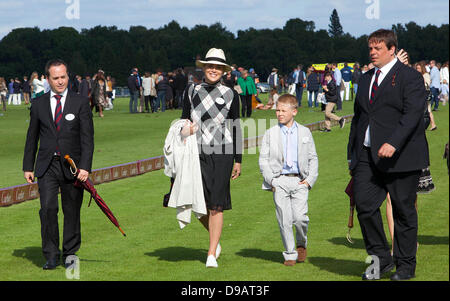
288,99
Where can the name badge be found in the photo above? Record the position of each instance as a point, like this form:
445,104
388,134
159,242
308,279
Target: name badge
70,117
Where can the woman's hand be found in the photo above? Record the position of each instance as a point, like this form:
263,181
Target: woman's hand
236,171
402,56
189,128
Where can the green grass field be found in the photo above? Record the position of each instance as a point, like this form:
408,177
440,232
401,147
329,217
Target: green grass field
156,249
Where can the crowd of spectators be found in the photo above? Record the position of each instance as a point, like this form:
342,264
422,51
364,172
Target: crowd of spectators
156,92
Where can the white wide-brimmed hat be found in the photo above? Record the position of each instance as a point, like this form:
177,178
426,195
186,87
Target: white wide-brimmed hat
214,56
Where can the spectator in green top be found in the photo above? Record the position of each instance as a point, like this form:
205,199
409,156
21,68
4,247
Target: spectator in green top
248,89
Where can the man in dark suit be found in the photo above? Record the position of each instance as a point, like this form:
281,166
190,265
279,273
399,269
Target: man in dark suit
61,121
133,86
180,84
386,151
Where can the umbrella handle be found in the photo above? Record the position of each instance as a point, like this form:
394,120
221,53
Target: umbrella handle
349,238
72,164
123,233
350,218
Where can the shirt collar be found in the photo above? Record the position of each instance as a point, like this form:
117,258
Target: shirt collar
285,129
386,68
64,94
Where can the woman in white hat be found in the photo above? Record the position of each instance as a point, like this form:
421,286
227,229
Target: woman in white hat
212,113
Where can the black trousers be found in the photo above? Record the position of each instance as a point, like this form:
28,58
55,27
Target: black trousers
370,190
246,101
71,198
339,100
148,103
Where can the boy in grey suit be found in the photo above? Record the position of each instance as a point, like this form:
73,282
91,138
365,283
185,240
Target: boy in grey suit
289,165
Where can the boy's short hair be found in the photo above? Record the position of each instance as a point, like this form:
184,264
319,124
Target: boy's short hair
288,99
327,74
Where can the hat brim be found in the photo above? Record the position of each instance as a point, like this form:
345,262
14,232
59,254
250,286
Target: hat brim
201,64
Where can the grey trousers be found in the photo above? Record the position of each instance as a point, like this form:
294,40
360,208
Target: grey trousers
291,207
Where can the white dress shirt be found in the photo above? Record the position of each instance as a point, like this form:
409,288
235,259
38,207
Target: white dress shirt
53,102
383,72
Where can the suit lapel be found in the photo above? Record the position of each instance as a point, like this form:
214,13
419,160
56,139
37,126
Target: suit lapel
279,143
365,88
386,82
299,143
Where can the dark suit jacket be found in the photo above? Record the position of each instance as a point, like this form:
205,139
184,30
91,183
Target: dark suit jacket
331,94
75,138
83,89
133,84
395,117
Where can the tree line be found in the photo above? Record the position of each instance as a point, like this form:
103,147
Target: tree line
116,51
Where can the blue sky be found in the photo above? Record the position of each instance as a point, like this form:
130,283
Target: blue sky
233,14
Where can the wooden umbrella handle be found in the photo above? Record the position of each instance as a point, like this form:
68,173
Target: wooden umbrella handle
72,164
350,218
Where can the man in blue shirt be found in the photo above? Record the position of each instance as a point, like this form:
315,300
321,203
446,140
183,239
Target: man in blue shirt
435,84
338,79
347,77
299,81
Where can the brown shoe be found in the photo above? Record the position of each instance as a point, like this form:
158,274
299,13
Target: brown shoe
289,263
301,254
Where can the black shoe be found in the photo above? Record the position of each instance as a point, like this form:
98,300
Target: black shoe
399,275
51,264
342,122
66,263
435,128
383,271
325,130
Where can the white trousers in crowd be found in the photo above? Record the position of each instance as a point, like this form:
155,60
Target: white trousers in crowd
15,98
347,91
291,89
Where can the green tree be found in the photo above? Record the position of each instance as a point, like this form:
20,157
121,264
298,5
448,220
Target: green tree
335,27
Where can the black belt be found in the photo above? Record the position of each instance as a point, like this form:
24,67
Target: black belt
56,157
291,175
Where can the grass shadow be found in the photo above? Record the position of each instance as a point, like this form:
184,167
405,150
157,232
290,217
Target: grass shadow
432,240
339,266
175,254
33,254
261,254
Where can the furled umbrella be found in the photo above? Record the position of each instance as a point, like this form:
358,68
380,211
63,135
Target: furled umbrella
89,186
349,192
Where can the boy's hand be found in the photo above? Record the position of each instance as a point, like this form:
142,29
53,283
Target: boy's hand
306,183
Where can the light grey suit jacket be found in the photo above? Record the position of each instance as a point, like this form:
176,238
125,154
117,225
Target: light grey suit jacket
271,159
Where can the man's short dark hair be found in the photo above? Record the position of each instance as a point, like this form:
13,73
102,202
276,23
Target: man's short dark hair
55,62
384,35
328,73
